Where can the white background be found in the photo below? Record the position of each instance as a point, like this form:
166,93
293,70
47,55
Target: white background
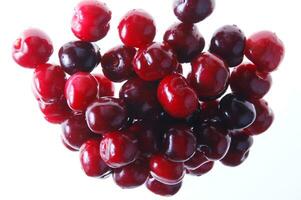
35,165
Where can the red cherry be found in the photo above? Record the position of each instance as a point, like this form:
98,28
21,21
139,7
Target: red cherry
67,145
176,97
105,86
137,28
209,76
90,159
132,175
32,48
154,62
166,171
203,169
162,189
248,82
265,50
118,149
196,160
90,21
49,82
106,114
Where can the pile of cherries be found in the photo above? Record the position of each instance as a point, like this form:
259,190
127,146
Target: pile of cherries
163,125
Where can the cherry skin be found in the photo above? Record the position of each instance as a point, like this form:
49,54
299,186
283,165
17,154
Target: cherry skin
236,112
118,149
106,114
162,189
137,28
265,50
91,20
193,11
67,145
49,82
209,76
209,109
154,62
90,159
76,132
203,169
132,175
239,150
246,81
81,89
79,56
32,48
140,98
185,40
176,97
166,171
105,86
117,63
228,43
179,143
196,160
264,118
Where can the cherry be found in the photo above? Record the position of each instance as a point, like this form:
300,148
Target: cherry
79,56
166,171
176,97
239,150
179,143
236,111
162,189
105,86
140,98
193,11
185,40
196,160
76,132
90,159
228,42
32,48
67,145
90,21
154,62
248,82
265,50
118,149
264,118
137,28
106,114
203,169
132,175
209,76
81,89
48,82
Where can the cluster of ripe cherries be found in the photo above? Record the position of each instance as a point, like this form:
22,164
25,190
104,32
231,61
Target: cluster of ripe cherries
163,125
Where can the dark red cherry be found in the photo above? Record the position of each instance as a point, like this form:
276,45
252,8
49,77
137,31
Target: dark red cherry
49,82
264,118
228,43
209,76
118,149
248,82
162,189
209,109
90,21
236,112
32,48
137,28
155,61
265,50
203,169
166,171
81,89
179,143
176,97
185,40
106,114
67,145
79,56
132,175
117,63
239,150
140,98
196,160
90,159
105,86
76,132
193,11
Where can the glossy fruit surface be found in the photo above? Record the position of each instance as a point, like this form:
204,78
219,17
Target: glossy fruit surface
105,86
196,160
203,169
162,189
